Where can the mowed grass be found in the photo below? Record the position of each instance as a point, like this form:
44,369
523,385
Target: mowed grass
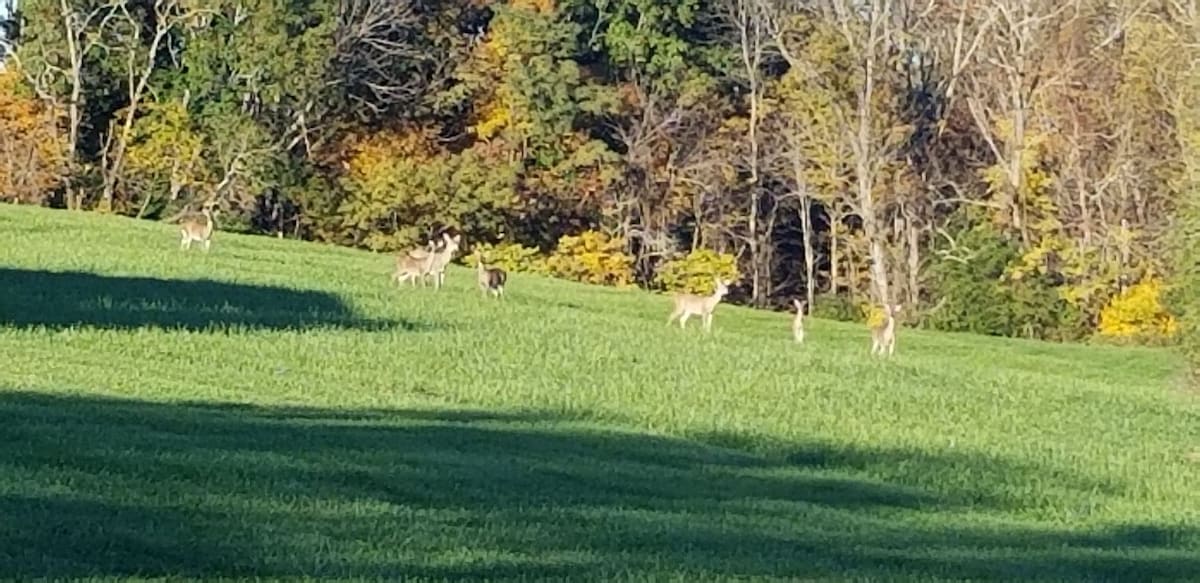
276,409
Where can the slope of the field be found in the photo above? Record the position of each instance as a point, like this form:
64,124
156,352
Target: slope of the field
275,408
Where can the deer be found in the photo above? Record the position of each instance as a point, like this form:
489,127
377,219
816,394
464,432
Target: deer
410,266
490,279
438,260
198,228
798,321
417,264
883,335
413,264
688,305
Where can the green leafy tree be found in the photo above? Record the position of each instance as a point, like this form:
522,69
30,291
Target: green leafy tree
165,155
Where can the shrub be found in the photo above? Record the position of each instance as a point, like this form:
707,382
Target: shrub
967,281
511,257
591,257
694,272
1036,308
872,314
1184,291
1138,315
978,290
836,307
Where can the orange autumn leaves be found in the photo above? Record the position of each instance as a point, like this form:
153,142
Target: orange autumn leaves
33,152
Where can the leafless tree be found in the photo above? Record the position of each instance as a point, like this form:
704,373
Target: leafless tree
83,33
379,59
748,20
139,66
869,28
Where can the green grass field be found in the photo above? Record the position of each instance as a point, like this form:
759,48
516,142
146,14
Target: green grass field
277,409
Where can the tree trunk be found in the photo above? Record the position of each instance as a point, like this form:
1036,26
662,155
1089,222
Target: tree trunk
864,144
1016,172
810,283
755,252
750,29
914,262
865,181
806,224
137,82
835,270
76,64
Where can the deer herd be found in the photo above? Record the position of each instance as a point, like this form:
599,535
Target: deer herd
430,261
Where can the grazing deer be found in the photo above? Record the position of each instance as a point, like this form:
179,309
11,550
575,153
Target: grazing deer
688,305
883,335
798,322
490,279
197,228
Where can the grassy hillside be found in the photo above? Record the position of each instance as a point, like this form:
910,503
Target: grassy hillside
275,408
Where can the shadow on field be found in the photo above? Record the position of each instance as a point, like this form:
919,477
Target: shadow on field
63,299
994,483
102,487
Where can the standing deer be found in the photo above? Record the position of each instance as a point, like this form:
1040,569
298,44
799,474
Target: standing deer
197,228
883,335
798,322
490,279
438,260
688,305
412,264
417,264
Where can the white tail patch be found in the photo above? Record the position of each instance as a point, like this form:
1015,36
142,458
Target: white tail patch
798,322
883,336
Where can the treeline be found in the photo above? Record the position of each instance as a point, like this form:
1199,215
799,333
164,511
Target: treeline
1012,167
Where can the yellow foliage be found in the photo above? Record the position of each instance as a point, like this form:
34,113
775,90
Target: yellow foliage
164,149
496,104
592,257
511,257
541,6
873,314
1138,314
367,154
694,272
495,118
33,154
1034,195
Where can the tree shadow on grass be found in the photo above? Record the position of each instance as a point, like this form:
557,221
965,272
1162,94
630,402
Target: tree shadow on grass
115,488
66,299
995,483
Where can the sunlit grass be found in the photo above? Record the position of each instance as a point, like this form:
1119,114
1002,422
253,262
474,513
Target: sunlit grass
276,408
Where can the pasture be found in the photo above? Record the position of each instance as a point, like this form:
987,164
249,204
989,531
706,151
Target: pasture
277,409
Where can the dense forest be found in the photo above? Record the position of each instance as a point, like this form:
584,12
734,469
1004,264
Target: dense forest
1012,167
